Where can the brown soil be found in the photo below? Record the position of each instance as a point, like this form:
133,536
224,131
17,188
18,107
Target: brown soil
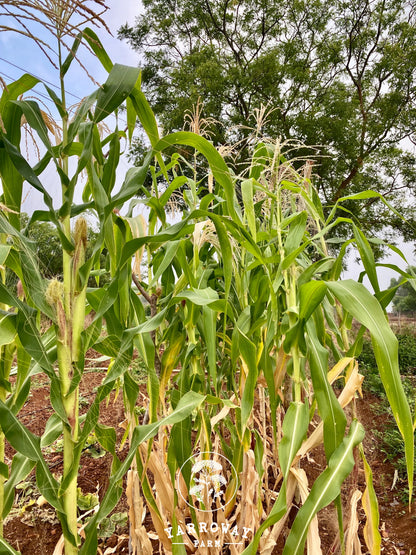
35,530
398,524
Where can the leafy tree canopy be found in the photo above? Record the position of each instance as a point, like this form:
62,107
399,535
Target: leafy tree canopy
405,298
48,249
338,74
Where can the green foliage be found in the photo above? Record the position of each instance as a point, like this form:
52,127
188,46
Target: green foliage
405,298
406,352
47,248
86,501
391,441
338,75
114,522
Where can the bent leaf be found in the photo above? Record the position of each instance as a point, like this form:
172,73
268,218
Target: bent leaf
324,490
365,308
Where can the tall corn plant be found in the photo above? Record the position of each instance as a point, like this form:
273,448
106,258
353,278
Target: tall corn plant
65,303
254,309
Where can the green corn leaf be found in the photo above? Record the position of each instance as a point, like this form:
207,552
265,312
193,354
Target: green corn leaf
315,269
247,192
209,318
20,468
310,297
226,253
131,118
367,257
4,470
365,308
28,445
330,410
131,391
72,54
56,100
97,148
219,168
7,328
296,230
369,194
173,232
16,89
4,253
53,430
111,164
386,297
22,388
27,173
98,49
34,118
6,549
82,111
12,181
145,115
200,297
170,253
188,403
180,445
268,366
324,490
260,160
22,260
178,547
106,437
295,427
115,90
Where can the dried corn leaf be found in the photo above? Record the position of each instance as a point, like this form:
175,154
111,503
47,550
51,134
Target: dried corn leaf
140,541
369,501
352,542
339,367
347,394
313,539
269,538
249,479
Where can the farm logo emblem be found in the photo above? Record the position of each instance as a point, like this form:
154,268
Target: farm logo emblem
208,481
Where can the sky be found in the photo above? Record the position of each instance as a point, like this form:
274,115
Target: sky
18,54
20,51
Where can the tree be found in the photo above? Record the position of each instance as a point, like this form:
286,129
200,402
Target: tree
337,74
48,250
405,298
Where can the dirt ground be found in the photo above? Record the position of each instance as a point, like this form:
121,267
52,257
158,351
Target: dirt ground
34,530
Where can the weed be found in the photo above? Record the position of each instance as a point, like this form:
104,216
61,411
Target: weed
111,524
138,370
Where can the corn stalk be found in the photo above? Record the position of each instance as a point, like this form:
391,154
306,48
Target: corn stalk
259,302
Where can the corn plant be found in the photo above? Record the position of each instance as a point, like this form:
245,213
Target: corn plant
248,330
254,309
65,303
